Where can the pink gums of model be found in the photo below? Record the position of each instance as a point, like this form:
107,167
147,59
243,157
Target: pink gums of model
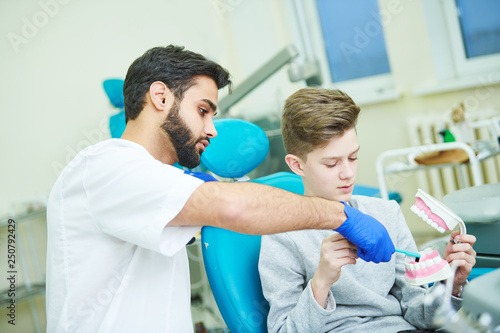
436,214
428,216
430,268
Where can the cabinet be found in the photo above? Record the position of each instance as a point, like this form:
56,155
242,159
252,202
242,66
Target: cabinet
23,250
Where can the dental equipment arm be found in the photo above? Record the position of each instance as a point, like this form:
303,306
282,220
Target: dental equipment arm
282,58
308,72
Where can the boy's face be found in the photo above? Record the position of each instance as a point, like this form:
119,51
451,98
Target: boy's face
330,171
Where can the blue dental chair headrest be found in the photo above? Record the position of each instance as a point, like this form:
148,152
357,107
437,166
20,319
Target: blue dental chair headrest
114,90
238,148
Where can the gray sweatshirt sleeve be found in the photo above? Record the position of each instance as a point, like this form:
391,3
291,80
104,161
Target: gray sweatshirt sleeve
292,305
415,310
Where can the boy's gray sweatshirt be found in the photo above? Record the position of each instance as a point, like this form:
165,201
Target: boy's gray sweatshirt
368,297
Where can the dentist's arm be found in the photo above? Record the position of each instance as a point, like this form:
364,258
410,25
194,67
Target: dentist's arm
252,208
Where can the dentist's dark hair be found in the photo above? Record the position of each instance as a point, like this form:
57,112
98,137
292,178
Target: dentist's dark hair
172,65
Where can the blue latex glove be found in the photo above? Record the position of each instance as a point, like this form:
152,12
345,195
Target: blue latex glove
368,234
201,175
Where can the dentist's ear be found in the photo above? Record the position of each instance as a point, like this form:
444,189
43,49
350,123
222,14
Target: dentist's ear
159,95
295,164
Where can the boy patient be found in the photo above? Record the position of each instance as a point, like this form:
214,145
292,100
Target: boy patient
313,280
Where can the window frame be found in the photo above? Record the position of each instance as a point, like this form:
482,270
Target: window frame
366,90
464,65
453,70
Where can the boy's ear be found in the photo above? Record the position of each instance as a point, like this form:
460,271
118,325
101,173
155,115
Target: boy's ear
160,95
295,164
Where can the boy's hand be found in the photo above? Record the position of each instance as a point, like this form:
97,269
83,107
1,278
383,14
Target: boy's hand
336,252
461,254
368,234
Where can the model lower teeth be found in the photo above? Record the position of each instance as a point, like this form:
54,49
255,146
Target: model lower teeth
430,268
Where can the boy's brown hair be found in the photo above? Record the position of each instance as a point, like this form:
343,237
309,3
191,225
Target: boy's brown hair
313,116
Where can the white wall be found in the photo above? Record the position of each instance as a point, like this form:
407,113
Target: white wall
53,104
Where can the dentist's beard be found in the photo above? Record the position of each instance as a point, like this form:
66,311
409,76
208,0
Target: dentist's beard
182,138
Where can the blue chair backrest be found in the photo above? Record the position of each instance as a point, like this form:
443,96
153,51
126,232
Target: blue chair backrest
231,258
231,262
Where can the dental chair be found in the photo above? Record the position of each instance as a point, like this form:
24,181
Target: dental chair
114,90
231,259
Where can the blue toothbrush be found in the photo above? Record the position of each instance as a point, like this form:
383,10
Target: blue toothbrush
413,254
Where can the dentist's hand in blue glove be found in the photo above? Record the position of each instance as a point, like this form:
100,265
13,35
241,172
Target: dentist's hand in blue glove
201,175
368,234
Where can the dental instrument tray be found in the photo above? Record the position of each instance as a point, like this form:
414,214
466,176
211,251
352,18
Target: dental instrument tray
443,157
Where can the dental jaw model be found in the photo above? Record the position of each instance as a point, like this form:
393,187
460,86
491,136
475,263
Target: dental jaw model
431,267
436,214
